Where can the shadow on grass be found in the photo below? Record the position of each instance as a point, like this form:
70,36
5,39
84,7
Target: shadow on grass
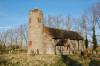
2,60
94,63
70,62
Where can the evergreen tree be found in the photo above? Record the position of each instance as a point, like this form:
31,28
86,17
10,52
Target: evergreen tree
94,39
86,42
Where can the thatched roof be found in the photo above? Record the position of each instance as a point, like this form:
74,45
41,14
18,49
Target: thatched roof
62,34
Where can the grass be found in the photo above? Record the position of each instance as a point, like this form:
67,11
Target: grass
22,59
77,60
26,60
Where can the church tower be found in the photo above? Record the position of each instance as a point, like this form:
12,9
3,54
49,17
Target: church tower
35,31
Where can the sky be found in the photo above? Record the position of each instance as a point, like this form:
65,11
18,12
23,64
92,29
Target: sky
15,12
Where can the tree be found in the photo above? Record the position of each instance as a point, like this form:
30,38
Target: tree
10,36
69,23
94,39
23,34
86,42
94,21
95,14
84,27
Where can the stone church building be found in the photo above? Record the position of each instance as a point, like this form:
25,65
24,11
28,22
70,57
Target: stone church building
46,40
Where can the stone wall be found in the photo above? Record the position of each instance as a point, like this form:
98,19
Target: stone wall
49,44
36,31
40,42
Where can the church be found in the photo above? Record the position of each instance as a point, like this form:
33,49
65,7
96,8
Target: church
46,40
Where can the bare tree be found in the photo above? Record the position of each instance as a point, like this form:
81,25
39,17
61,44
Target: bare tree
94,20
55,21
2,40
15,37
84,26
23,34
10,36
69,22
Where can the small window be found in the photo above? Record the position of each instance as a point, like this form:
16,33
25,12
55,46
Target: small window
39,19
30,44
29,20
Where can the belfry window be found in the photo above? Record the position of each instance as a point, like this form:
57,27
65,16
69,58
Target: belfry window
39,19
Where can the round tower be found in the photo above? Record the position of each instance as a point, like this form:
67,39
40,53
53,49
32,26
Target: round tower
36,31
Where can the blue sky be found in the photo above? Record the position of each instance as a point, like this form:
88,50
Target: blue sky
15,12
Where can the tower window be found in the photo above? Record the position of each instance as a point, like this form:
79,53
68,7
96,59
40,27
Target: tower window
29,20
30,44
39,19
